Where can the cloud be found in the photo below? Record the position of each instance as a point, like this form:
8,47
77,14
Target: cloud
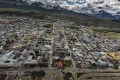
111,6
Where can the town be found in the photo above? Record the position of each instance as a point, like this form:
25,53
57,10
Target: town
39,49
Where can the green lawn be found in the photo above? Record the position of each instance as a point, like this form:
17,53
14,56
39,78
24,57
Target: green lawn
68,63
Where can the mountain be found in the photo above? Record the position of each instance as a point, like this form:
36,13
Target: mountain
43,11
97,8
109,9
25,5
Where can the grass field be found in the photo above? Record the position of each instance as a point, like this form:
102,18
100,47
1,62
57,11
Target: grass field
110,33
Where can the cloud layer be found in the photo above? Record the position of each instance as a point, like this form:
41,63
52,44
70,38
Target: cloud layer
84,6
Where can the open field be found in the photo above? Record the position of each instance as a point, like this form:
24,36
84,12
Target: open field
110,33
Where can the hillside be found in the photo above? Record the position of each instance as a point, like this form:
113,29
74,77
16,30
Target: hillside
56,12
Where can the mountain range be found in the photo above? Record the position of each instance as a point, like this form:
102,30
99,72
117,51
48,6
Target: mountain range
108,9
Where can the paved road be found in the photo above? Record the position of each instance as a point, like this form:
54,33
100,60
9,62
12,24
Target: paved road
51,71
100,76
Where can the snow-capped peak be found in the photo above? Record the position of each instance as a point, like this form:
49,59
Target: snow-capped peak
84,6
